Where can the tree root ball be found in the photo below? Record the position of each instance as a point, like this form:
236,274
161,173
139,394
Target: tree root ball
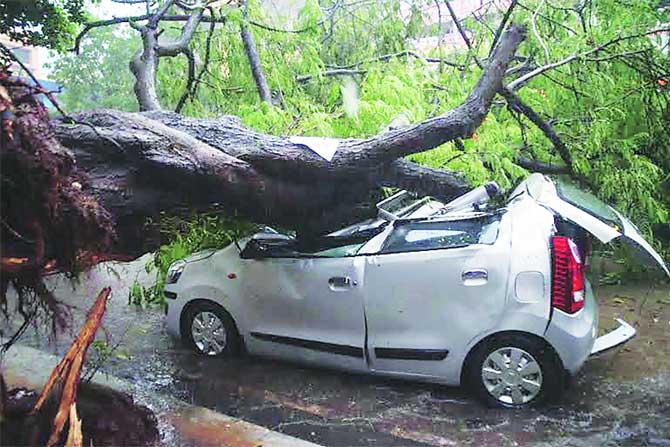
109,418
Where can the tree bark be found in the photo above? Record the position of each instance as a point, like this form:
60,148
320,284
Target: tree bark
144,64
141,163
254,59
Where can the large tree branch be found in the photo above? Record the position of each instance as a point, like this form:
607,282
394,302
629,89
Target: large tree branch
538,166
276,153
144,63
518,105
460,122
149,158
254,59
175,47
138,166
141,163
414,177
502,25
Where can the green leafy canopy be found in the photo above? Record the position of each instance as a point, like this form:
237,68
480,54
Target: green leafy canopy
46,23
611,108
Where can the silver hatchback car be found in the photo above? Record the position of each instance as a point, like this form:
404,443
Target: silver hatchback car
460,293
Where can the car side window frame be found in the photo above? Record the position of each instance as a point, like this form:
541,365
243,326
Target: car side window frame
288,249
488,219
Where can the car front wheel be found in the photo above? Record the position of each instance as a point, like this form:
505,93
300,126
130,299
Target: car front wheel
515,371
209,330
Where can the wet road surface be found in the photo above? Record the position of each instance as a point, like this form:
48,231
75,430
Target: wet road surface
621,398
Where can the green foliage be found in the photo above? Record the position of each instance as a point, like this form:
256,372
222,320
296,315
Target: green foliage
187,236
611,108
99,353
99,75
612,114
46,23
144,297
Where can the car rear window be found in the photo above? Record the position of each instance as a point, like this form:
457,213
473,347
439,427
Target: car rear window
435,235
587,202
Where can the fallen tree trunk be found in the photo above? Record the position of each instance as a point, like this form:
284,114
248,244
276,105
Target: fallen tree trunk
141,163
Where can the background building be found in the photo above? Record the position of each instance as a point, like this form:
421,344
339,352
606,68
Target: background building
33,57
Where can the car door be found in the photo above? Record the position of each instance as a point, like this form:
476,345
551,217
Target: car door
432,288
590,213
307,308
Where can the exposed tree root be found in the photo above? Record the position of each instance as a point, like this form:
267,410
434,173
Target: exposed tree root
47,219
64,379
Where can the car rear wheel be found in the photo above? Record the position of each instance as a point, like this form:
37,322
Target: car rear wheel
209,330
515,371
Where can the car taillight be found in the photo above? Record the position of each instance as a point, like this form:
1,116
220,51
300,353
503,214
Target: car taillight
567,285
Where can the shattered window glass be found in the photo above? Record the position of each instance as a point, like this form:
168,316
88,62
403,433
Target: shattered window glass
434,235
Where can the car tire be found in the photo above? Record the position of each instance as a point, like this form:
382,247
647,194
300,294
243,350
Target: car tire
209,330
515,371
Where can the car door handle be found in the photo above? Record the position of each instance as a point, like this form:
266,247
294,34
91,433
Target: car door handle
475,277
340,282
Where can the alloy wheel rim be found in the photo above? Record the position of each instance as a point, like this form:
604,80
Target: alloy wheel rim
208,333
512,376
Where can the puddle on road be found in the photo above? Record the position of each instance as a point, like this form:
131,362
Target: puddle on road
622,398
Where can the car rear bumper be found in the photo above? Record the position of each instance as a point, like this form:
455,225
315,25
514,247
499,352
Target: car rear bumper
573,335
623,333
